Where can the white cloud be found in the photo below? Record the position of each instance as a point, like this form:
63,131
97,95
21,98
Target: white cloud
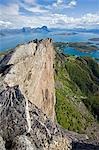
30,1
72,3
61,4
36,9
9,9
64,21
91,18
11,18
59,1
5,24
11,14
33,7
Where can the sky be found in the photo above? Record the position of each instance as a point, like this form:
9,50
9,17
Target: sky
51,13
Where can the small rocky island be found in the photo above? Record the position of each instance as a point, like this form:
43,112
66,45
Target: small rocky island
94,39
66,34
80,46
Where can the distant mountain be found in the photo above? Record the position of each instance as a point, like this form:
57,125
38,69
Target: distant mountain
43,29
5,32
26,29
2,34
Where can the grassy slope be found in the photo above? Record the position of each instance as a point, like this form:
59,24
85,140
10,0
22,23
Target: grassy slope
76,86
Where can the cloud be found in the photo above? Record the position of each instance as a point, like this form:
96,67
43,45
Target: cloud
33,7
5,24
30,1
36,9
11,17
91,18
9,9
59,1
11,13
72,4
88,20
62,4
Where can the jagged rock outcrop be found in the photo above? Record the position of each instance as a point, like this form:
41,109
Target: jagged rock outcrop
31,67
44,134
2,144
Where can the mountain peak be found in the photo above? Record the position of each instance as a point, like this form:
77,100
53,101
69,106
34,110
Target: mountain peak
44,28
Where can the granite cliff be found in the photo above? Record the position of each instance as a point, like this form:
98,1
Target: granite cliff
32,69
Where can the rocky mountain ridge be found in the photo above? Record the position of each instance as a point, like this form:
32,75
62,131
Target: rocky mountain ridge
43,29
32,69
27,102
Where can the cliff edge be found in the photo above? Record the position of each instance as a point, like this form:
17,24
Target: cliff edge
32,69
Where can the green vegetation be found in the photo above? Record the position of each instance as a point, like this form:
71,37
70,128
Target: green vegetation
83,46
77,88
4,52
80,46
1,54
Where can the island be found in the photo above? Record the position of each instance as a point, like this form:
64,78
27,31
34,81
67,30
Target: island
66,34
80,46
94,39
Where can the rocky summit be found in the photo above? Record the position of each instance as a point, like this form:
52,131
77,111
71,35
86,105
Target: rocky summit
27,102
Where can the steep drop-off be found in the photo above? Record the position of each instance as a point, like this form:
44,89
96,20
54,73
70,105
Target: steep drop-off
32,69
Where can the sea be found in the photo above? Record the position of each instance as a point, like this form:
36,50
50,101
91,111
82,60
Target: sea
11,41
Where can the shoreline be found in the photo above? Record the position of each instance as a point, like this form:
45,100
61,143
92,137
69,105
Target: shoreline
80,46
94,39
85,47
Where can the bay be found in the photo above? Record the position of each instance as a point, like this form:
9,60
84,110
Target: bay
11,41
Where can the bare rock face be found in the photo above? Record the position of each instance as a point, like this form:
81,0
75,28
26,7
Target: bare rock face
22,143
31,67
43,135
12,113
2,144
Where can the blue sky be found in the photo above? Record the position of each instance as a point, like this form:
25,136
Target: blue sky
53,13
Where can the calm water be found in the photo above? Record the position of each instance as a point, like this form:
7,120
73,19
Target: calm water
12,41
73,51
